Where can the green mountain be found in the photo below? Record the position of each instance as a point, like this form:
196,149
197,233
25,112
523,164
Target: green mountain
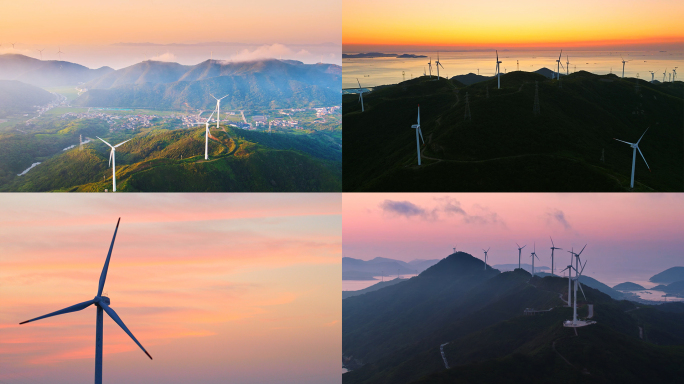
505,147
397,334
257,84
46,73
173,161
17,97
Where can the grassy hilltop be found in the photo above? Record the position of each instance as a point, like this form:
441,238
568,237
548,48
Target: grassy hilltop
505,147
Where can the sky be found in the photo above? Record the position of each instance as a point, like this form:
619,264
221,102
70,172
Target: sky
510,24
86,30
628,236
239,288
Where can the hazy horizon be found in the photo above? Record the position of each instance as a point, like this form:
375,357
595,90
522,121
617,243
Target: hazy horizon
216,286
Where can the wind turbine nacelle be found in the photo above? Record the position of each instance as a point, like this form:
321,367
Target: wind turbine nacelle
103,299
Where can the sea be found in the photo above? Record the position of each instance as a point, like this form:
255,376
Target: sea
390,70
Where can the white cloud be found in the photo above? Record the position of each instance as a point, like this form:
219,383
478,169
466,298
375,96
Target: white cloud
168,56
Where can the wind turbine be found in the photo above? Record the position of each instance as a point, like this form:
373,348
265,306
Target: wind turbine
360,94
623,66
438,64
567,63
102,304
59,52
575,323
112,159
674,73
206,136
553,247
652,75
559,65
520,252
430,67
218,109
533,255
498,73
12,45
664,75
418,132
41,52
485,263
635,147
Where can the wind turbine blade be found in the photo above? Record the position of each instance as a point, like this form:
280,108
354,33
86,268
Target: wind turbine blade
223,97
421,135
524,245
105,142
357,80
111,154
626,142
642,156
120,144
581,250
552,242
103,275
213,96
73,308
642,135
580,287
117,320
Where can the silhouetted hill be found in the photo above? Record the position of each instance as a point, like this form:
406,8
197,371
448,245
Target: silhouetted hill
568,147
396,335
372,288
255,84
381,265
46,73
18,97
668,276
628,286
591,282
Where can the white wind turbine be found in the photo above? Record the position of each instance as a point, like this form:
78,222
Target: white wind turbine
112,159
559,65
101,302
59,52
635,148
520,252
206,136
438,64
485,260
533,255
41,52
430,67
498,70
418,132
360,94
623,66
553,247
664,74
652,75
575,323
567,64
218,109
674,73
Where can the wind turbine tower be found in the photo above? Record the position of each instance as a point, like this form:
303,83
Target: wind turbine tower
438,64
664,75
536,110
430,67
674,73
467,109
576,323
218,109
112,160
485,260
59,52
558,64
101,302
567,65
635,148
533,255
652,74
360,94
623,67
498,70
553,247
41,52
520,253
418,132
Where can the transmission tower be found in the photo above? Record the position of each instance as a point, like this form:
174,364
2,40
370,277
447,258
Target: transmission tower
467,109
536,109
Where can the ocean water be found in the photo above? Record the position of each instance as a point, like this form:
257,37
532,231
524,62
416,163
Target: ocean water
381,71
355,285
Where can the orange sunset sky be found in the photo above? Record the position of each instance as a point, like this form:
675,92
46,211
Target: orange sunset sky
511,24
239,288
